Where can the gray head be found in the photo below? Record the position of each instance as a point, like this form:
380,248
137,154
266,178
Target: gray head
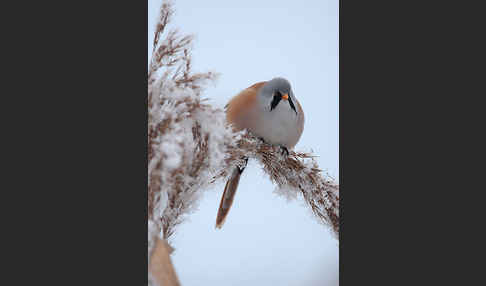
275,91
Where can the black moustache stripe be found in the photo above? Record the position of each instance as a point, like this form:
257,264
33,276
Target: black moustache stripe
292,105
276,99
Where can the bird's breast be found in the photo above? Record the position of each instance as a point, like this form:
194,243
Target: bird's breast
280,126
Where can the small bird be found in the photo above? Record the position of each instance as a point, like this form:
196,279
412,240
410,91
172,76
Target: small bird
271,112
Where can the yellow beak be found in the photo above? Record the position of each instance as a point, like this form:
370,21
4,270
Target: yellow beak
285,96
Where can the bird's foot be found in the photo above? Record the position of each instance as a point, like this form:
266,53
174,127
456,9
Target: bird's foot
284,150
242,168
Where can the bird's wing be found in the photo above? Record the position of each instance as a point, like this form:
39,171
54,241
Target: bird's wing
238,107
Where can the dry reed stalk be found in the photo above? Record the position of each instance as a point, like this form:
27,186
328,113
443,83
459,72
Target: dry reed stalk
190,147
161,269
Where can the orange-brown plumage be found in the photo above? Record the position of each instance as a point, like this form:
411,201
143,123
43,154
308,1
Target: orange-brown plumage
238,115
237,109
228,196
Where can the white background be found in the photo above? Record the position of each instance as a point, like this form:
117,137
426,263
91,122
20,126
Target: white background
265,240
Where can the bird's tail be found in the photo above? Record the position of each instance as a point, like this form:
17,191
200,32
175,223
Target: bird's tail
229,194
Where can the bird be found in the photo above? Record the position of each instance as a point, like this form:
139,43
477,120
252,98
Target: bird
270,111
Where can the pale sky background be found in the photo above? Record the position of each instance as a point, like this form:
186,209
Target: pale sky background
265,239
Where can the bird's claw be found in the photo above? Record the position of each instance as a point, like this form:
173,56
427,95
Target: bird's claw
284,150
